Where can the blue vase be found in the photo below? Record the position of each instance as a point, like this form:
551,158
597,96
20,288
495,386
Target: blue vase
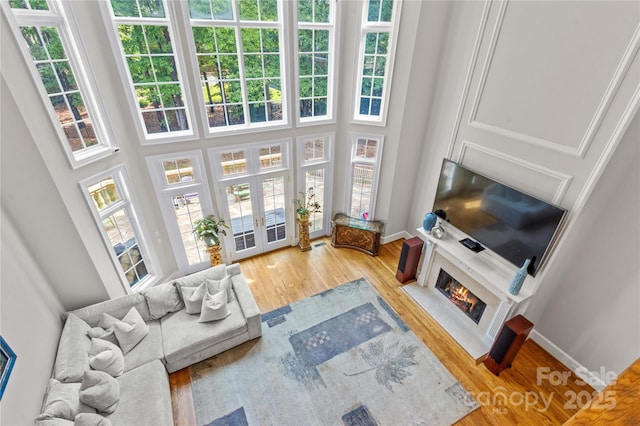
518,278
429,221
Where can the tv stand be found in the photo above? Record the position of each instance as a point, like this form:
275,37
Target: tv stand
474,246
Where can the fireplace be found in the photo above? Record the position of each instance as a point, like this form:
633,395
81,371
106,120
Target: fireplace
459,295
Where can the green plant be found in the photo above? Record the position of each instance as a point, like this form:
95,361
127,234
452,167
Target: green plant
209,230
307,204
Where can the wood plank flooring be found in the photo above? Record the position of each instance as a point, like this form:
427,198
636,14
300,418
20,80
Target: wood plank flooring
515,397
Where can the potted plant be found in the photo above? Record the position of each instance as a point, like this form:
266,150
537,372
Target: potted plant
307,204
209,230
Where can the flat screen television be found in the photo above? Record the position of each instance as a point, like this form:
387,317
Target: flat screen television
509,222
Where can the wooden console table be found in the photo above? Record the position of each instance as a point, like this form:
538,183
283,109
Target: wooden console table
363,235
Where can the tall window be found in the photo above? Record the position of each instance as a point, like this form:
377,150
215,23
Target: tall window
366,152
377,44
55,58
184,197
315,160
238,46
109,196
153,68
315,62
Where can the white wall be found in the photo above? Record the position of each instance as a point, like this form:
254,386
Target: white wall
30,322
589,308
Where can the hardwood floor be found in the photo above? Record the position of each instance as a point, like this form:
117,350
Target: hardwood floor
515,397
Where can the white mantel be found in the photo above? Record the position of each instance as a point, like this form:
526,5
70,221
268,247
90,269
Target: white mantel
484,273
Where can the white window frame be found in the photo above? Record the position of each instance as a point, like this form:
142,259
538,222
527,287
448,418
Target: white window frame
111,23
237,24
376,162
376,27
59,17
332,26
165,191
126,202
327,163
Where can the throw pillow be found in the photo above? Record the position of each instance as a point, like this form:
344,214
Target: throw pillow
214,307
131,330
192,297
162,299
71,357
101,333
88,419
100,391
62,401
107,357
106,322
223,284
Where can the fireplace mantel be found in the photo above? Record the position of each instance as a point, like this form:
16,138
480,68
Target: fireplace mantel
487,268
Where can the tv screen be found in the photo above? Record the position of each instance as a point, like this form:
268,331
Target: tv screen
511,223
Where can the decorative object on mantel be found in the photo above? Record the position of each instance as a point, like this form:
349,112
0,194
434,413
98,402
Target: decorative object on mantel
429,221
438,230
305,205
208,230
7,359
518,278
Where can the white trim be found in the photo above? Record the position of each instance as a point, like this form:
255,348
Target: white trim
578,369
67,30
397,236
111,23
380,27
128,203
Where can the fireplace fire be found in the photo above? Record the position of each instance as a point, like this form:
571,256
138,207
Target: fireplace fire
460,296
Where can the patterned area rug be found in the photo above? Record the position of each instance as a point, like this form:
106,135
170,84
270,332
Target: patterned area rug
340,357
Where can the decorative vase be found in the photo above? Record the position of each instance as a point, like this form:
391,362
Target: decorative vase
214,255
429,221
518,278
438,231
303,233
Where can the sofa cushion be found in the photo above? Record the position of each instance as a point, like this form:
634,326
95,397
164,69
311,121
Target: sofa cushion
214,307
107,357
145,397
89,419
149,349
193,296
183,335
131,330
63,401
100,391
54,421
117,308
224,284
215,273
72,358
162,299
101,333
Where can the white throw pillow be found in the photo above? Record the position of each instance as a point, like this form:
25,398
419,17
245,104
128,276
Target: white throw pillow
107,357
224,284
131,330
192,297
162,299
62,401
101,333
89,419
100,391
214,307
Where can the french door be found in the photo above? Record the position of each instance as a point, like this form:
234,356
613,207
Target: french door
259,214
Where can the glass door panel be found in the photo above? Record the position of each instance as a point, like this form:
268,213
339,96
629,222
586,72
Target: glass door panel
187,209
274,202
314,181
240,205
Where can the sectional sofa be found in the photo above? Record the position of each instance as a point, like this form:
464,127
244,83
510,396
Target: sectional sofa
106,374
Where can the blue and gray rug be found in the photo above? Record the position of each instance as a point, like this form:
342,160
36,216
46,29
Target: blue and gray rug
340,357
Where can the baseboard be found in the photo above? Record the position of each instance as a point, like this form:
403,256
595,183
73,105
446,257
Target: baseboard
578,369
398,235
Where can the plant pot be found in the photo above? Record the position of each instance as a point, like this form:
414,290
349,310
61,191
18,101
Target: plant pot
214,254
303,234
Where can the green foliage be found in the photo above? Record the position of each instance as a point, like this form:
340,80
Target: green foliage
306,203
209,230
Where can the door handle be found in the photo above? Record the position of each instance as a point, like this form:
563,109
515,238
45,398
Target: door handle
263,221
256,222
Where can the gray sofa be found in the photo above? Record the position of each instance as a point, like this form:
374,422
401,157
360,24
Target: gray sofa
175,340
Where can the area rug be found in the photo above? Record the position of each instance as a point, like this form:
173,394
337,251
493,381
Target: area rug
340,357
